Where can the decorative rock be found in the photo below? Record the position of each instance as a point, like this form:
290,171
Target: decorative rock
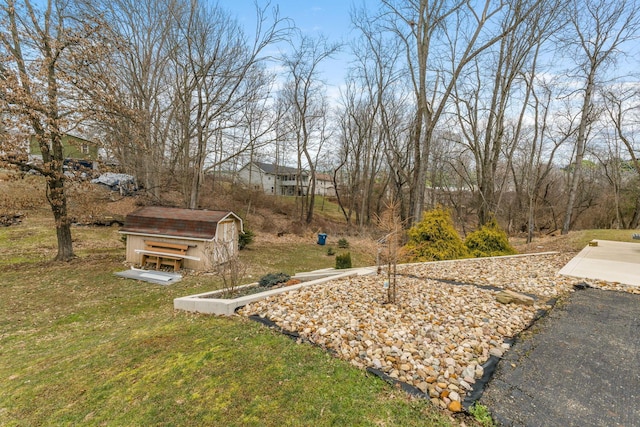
465,385
438,335
468,372
496,352
423,387
455,406
508,297
433,392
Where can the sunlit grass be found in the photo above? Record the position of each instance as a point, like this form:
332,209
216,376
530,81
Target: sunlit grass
81,346
580,239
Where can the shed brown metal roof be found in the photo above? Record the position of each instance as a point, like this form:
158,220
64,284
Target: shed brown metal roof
190,223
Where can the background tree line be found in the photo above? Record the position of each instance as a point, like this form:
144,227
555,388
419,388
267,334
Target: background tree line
526,111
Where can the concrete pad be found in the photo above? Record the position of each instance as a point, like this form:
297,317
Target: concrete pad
158,277
617,262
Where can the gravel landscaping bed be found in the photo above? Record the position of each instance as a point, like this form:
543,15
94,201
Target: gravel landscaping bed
443,328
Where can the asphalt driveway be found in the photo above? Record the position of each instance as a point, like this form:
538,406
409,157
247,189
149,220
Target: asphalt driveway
578,366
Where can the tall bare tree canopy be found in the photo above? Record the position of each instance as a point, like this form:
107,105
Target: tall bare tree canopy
596,30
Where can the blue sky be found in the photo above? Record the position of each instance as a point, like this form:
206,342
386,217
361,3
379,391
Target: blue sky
329,18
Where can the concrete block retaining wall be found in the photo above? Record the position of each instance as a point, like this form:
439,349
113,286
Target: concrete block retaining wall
209,304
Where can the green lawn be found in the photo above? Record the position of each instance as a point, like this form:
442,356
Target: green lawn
580,239
80,346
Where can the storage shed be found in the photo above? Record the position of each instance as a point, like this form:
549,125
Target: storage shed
211,236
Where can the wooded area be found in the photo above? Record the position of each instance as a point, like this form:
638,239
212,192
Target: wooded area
526,111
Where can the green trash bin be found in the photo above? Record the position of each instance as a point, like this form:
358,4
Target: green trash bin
322,238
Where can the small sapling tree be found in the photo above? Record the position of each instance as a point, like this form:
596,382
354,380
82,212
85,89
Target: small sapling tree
388,250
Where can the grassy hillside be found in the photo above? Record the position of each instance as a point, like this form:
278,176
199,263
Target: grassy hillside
81,346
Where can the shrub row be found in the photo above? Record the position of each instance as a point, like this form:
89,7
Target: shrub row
435,239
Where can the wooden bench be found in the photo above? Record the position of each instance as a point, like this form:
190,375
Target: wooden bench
163,253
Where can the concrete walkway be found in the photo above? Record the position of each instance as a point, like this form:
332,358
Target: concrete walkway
609,261
579,365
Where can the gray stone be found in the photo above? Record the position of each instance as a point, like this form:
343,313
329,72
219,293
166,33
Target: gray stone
511,297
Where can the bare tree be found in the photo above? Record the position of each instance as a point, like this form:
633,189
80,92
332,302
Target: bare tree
219,74
232,270
426,27
598,29
389,247
373,129
308,113
621,104
362,154
492,115
43,51
138,131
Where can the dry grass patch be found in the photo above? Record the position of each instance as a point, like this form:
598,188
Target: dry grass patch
81,346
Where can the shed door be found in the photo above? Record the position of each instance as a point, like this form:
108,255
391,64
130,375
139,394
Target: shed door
227,244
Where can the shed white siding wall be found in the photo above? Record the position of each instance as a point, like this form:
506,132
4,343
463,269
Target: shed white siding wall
209,251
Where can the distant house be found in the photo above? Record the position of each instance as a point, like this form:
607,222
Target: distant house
74,148
325,185
274,179
212,236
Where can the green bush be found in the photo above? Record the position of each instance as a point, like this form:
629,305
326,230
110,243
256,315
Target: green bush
330,251
489,240
273,279
245,238
434,239
343,261
343,244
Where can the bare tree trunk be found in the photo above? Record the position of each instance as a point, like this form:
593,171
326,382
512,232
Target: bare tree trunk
32,95
581,143
599,28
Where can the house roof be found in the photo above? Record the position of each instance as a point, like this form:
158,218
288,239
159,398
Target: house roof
277,170
178,222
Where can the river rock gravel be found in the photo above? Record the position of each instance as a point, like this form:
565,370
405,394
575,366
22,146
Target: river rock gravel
443,327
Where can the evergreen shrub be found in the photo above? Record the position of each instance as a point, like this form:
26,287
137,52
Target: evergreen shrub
343,261
489,240
343,243
273,279
245,238
434,239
